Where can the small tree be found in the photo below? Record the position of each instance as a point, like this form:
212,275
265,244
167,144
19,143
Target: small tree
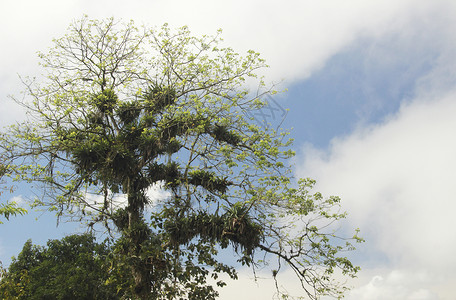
72,268
126,109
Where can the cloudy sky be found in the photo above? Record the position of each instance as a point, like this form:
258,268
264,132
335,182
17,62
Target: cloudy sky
372,99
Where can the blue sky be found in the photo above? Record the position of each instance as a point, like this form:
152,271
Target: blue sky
372,99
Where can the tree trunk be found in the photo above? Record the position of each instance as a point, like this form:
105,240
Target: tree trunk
138,233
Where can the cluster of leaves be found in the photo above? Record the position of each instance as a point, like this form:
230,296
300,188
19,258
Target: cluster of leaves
10,208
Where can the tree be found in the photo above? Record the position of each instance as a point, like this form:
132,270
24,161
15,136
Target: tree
125,109
72,268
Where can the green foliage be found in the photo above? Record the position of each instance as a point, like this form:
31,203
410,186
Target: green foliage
124,110
72,268
9,208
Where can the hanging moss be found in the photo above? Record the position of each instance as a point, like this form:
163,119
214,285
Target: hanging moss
235,227
241,230
95,119
222,134
89,155
129,112
120,218
209,181
105,101
168,172
160,97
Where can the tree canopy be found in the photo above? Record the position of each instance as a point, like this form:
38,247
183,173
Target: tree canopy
72,268
126,110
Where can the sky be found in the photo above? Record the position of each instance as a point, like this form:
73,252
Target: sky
372,103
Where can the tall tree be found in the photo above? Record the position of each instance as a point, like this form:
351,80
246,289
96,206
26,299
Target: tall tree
124,110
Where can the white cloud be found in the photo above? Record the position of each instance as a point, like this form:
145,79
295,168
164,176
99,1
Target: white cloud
402,284
263,287
397,183
296,37
96,201
396,285
19,200
155,193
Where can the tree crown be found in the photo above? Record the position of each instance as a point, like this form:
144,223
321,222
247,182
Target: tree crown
125,109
